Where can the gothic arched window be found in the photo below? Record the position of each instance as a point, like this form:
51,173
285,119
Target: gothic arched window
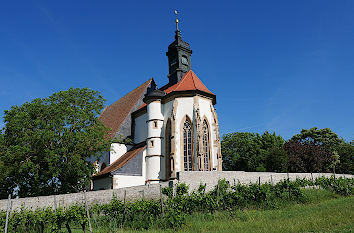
206,150
187,145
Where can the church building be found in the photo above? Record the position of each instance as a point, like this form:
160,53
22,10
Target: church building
165,130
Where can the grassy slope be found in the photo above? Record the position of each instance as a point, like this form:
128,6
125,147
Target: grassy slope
325,212
330,215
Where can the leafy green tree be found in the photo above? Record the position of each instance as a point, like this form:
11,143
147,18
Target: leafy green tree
276,159
240,151
45,143
253,152
346,157
274,154
324,137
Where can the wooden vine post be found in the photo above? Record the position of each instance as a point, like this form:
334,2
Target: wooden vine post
259,182
55,203
125,196
289,185
87,212
8,213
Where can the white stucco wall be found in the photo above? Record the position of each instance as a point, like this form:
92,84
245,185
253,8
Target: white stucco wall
117,150
184,108
121,181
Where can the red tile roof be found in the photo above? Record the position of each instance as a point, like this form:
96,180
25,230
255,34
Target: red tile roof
189,81
114,115
123,160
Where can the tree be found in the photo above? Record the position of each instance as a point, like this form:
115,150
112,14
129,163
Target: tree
308,157
276,159
240,151
275,156
327,140
45,143
346,157
324,137
253,152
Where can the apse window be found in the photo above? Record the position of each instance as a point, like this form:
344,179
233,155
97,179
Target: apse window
155,124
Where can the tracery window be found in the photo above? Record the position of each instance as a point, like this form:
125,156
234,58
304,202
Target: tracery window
206,151
187,145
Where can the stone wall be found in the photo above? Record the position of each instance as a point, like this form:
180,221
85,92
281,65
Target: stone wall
102,196
193,179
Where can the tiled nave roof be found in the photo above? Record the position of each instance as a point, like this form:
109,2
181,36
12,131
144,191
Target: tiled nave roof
114,115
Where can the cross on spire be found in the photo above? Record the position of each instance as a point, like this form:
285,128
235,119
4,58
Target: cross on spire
176,13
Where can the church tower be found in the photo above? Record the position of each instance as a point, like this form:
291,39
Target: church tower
179,57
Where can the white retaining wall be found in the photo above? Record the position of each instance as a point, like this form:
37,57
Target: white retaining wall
152,191
102,196
195,178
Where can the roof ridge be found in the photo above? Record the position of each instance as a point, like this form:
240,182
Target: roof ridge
192,74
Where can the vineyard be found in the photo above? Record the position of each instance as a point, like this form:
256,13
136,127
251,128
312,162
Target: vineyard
171,210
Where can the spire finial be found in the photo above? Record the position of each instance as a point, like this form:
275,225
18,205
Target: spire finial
176,13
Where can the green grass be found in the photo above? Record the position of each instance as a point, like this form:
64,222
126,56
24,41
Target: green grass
323,212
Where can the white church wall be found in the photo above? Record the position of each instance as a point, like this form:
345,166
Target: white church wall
117,150
144,164
184,108
121,181
140,129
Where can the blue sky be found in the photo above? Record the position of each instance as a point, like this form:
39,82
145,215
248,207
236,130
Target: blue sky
274,65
